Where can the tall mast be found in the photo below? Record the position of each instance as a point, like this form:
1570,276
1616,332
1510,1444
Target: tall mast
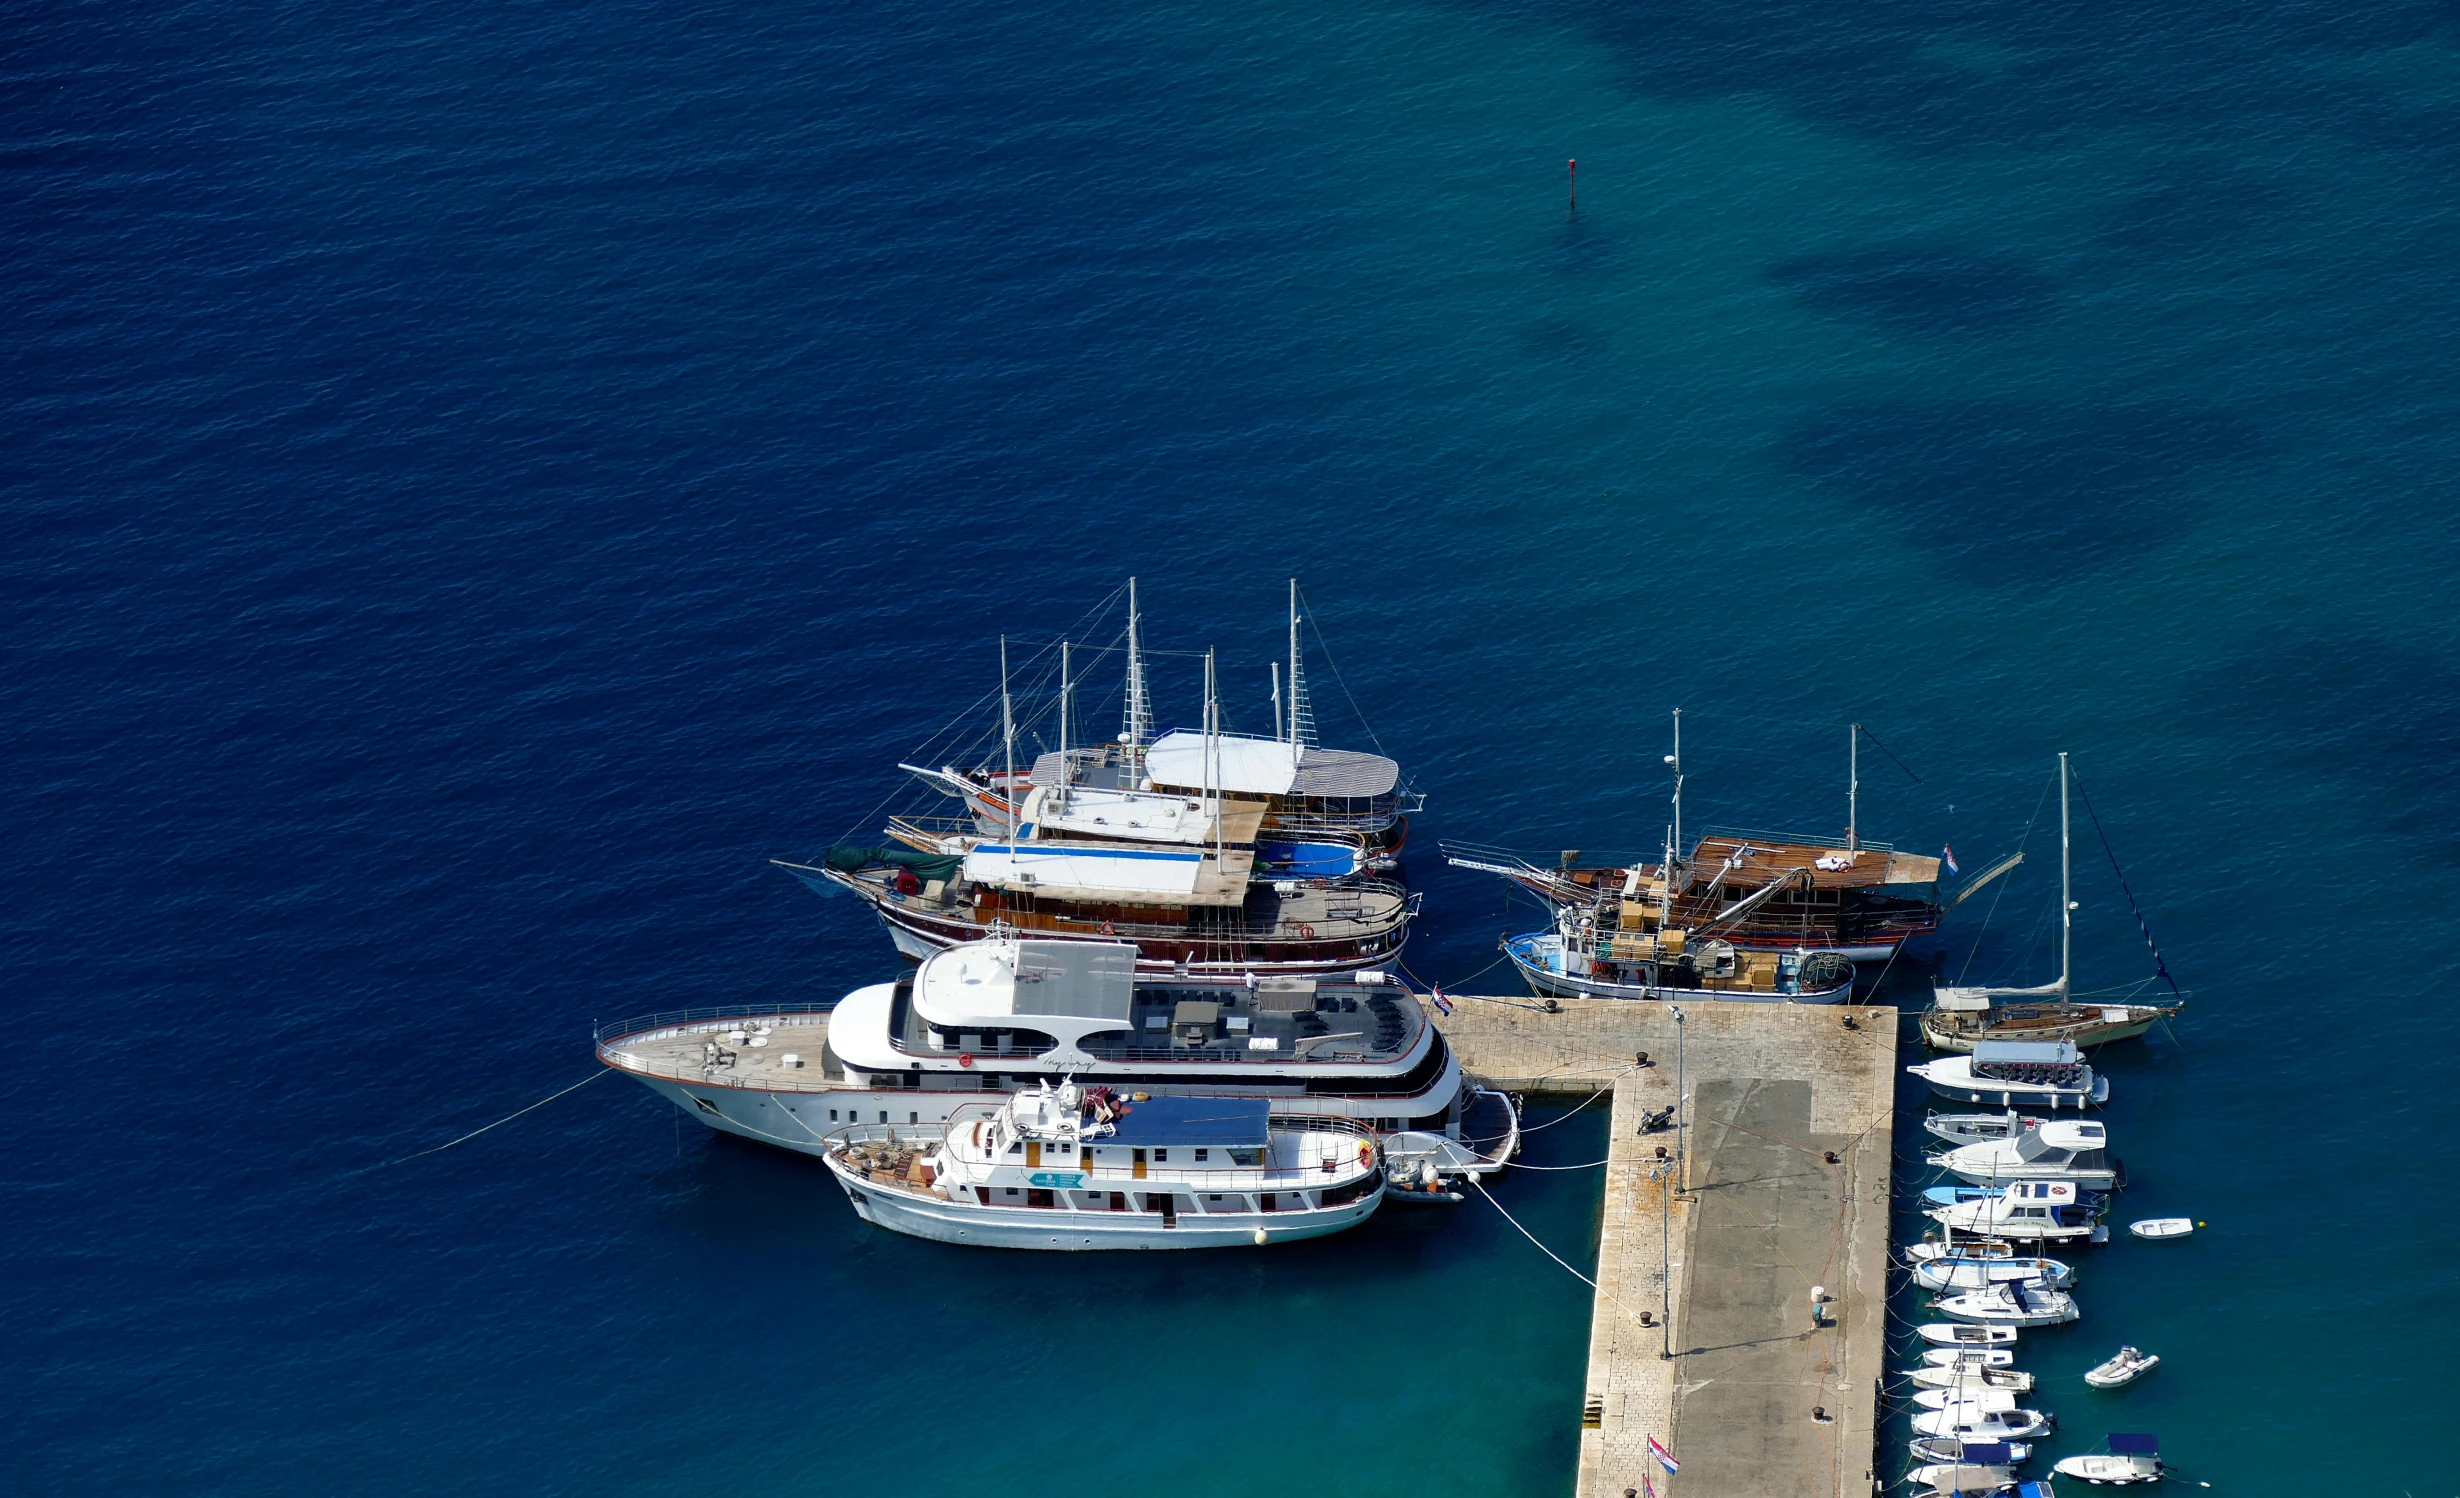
1276,699
2067,904
1007,735
1212,752
1676,760
1302,720
1853,793
1139,709
1061,790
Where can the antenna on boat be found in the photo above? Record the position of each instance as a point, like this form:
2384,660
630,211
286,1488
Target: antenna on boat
1853,793
1277,732
1212,756
1007,735
1065,687
1139,710
1302,720
2067,903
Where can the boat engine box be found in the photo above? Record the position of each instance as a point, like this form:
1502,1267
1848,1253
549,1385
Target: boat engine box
1285,995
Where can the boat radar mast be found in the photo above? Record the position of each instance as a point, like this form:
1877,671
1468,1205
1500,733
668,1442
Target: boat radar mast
1138,712
1302,717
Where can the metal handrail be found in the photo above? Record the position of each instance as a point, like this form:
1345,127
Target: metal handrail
1761,835
673,1019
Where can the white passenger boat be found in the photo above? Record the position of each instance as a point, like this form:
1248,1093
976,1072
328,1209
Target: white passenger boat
1968,1357
1947,1275
2012,1305
1972,1128
2130,1459
1970,1376
2123,1369
997,1016
1952,1451
1961,1334
2162,1227
2064,1150
2017,1074
2026,1211
1072,1168
1989,1415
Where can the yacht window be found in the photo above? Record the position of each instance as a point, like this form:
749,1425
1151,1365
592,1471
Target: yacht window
1160,1155
2030,1147
832,1115
1201,1156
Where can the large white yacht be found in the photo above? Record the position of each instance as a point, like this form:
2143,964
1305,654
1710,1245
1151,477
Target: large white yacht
1072,1168
1004,1015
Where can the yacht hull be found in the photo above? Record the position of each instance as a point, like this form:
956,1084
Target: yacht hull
1060,1230
1545,980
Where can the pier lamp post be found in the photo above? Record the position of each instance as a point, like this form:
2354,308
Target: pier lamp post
1682,1155
1661,1173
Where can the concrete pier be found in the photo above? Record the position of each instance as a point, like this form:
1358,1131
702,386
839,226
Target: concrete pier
1754,1400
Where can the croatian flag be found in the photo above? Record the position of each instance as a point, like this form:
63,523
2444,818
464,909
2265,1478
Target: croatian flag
1947,855
1664,1457
1647,1486
1442,1004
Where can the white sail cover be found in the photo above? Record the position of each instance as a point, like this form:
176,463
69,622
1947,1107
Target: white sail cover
1267,767
1127,871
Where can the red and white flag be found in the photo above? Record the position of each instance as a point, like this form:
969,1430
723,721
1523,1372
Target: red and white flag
1664,1457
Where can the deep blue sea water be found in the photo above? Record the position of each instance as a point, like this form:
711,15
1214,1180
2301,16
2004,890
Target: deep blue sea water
481,479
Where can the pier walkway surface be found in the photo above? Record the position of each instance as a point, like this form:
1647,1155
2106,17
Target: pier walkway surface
1775,1089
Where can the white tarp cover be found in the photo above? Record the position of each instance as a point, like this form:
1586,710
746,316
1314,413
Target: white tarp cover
1126,871
1250,767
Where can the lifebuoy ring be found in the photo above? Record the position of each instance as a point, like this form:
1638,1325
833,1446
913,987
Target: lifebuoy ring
965,1058
1305,931
1366,1153
1109,930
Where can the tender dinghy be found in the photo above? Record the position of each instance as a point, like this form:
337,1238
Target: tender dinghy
2123,1369
1960,1334
1964,1376
1956,1451
2130,1459
2012,1305
1977,1128
1968,1357
2162,1227
1988,1415
1948,1275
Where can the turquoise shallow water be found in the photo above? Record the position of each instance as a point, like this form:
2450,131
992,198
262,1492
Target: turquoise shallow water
481,480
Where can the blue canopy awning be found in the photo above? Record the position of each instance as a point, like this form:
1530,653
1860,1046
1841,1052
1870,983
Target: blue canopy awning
2135,1445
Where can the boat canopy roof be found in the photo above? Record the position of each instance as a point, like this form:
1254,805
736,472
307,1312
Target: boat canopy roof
1754,860
2122,1445
2060,1134
1116,875
1138,816
1265,767
2040,1191
990,983
2034,1052
1165,1121
1987,1453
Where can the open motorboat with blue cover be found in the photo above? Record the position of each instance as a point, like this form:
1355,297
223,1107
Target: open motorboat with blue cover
2026,1211
2026,1304
1979,1453
2017,1074
2063,1150
998,1016
2130,1459
1075,1168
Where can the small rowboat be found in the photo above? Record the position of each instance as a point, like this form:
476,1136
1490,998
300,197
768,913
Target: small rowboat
1968,1357
2123,1369
2162,1227
1958,1334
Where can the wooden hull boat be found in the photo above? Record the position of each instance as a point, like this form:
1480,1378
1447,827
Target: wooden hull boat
2122,1370
1573,964
1976,1274
2081,1025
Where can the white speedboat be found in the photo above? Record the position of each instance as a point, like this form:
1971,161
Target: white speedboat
1952,1451
1962,1334
1948,1275
2065,1150
1933,1249
1972,1128
2012,1305
2051,1075
2163,1227
1936,1478
2123,1369
1968,1357
1961,1376
2028,1211
1073,1168
2130,1459
1948,1398
1989,1415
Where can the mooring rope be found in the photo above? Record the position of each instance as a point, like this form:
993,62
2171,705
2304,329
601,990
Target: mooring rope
474,1133
1550,1253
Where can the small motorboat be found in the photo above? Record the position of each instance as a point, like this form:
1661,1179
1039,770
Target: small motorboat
1969,1376
1945,1275
2027,1210
1989,1415
2123,1369
1968,1357
2130,1459
1959,1334
1948,1398
1957,1451
1961,1477
2012,1305
2163,1227
1976,1128
2061,1150
1930,1250
2017,1073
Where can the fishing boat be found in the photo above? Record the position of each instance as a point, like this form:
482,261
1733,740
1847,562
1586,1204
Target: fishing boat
2130,1459
1989,1415
1069,1168
1976,1376
2025,1304
1959,1334
2024,1212
2124,1368
1756,890
2162,1227
1949,1479
1953,1450
2017,1073
1578,960
1968,1357
1959,1018
1945,1275
997,1016
1973,1128
2067,1150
